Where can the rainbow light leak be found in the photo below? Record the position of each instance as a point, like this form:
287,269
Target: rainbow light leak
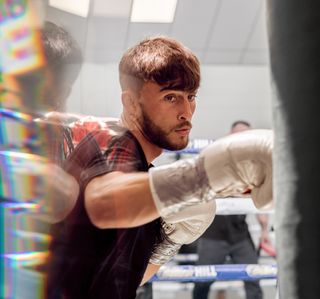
23,239
15,130
21,49
23,170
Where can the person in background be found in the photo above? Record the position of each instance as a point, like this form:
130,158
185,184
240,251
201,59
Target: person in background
229,237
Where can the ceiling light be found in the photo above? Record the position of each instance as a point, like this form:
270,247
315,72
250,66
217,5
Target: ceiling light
153,11
112,8
77,7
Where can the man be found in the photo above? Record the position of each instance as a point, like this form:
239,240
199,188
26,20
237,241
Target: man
53,189
93,254
228,236
50,186
63,63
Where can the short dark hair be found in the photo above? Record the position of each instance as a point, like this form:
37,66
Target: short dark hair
161,60
62,52
240,122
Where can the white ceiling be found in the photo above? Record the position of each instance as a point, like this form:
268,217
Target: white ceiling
228,36
218,31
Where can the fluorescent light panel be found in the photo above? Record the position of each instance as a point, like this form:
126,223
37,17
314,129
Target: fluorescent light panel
153,11
77,7
112,8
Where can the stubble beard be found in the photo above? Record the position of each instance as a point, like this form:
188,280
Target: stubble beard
158,136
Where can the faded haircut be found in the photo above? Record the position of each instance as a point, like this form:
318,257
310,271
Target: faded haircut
161,60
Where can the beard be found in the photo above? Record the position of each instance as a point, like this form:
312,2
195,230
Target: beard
159,136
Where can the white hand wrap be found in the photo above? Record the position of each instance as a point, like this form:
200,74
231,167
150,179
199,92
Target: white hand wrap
228,167
183,228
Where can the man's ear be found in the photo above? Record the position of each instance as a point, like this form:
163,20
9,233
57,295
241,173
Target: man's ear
129,102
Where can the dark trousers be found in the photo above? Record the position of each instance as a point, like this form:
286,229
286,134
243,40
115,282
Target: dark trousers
145,291
214,252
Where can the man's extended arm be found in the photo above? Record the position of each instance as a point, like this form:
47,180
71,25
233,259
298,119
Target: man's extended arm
228,167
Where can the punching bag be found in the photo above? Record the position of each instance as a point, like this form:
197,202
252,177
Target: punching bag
294,39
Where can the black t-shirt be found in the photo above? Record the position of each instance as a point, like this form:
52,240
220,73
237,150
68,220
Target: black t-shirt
230,228
88,262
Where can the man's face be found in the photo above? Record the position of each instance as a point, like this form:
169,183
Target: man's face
165,115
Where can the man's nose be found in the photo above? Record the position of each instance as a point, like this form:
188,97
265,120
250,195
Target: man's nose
187,109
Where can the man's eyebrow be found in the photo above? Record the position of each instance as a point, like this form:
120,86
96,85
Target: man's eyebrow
170,87
178,88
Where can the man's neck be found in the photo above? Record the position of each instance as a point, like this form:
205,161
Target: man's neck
150,150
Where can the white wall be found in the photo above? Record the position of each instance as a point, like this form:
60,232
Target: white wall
96,91
227,93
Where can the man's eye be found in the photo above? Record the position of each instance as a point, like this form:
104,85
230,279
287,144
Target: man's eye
192,97
170,98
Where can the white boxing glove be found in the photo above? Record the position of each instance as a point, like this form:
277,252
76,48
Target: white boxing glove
183,228
231,166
